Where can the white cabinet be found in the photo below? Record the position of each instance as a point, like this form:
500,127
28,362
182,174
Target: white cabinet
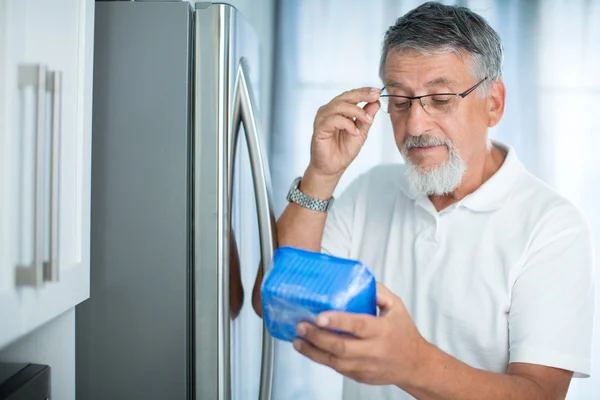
46,63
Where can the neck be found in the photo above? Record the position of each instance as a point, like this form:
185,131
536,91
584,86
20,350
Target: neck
479,170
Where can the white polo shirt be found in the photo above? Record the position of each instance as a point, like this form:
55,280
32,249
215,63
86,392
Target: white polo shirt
504,275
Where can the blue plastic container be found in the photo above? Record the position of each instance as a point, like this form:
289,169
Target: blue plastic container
303,284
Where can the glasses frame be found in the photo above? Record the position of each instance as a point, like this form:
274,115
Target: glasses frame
411,99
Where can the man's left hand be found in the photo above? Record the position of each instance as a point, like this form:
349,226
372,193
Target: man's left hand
382,350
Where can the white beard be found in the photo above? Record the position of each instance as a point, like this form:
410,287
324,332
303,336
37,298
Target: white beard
439,180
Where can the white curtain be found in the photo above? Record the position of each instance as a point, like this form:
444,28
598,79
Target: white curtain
552,74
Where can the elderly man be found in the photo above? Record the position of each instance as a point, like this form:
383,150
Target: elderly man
486,273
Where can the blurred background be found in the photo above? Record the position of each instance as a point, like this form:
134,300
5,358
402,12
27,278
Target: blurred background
552,75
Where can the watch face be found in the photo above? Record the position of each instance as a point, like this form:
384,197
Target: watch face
294,186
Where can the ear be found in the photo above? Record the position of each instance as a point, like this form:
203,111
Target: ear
496,101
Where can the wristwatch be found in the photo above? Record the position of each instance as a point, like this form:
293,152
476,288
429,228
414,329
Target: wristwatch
304,200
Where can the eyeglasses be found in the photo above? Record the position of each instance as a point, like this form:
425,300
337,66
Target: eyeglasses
433,104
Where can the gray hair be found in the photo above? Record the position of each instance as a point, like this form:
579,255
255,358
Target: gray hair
434,28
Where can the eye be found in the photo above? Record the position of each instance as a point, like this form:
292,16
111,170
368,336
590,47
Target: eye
399,103
442,99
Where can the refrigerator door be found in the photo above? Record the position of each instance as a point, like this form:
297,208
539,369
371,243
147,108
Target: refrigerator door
249,157
133,335
233,219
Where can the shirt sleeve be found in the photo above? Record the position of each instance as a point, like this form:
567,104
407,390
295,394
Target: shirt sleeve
337,236
552,299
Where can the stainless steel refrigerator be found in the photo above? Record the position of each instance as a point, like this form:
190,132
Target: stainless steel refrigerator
180,193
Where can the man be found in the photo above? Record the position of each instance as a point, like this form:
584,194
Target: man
486,273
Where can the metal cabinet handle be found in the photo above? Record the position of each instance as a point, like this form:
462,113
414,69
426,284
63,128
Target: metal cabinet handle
35,76
54,86
244,111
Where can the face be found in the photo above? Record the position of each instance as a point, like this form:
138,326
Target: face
443,145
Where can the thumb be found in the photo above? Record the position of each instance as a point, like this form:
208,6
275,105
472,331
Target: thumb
385,299
371,109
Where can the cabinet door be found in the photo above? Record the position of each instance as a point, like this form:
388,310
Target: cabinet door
58,35
17,163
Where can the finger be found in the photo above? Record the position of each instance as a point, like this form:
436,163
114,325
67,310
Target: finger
365,124
347,110
372,108
347,367
385,299
322,357
339,122
338,344
367,95
359,325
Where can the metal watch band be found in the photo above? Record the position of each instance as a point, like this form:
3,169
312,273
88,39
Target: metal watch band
306,201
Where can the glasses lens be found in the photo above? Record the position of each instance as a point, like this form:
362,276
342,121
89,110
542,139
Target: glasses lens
393,104
433,105
440,103
384,102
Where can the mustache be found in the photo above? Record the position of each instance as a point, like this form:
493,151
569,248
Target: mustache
425,141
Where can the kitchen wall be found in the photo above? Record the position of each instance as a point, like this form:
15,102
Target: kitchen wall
54,343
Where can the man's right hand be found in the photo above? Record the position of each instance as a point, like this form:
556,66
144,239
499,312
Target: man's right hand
340,130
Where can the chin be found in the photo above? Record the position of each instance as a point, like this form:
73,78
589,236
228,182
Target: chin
427,167
436,179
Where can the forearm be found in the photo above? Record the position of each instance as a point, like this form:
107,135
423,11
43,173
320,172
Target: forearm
442,377
299,226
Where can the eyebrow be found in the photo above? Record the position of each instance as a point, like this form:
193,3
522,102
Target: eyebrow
441,81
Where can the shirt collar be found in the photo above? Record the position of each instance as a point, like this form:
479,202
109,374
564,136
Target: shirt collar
489,196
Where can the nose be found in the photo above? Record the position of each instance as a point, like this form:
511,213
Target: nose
418,121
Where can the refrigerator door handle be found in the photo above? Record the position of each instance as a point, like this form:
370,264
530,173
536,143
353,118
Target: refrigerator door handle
245,112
